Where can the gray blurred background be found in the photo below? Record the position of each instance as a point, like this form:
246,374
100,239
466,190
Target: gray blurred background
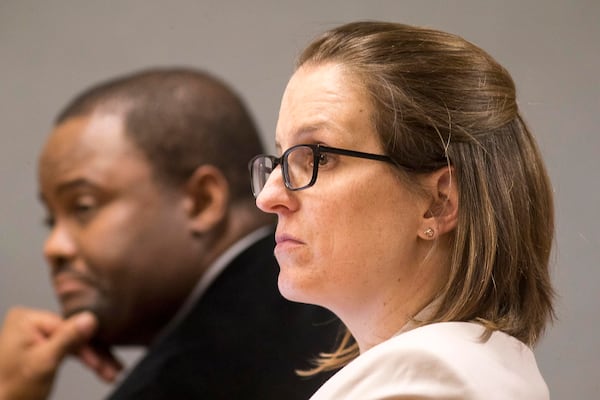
50,50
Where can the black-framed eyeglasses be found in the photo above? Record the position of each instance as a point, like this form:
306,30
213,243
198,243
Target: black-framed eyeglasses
299,165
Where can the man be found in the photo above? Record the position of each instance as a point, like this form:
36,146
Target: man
155,240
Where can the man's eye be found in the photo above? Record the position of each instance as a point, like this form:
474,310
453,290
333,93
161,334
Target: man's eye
84,207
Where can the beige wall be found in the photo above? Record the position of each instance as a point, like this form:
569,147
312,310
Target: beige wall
50,50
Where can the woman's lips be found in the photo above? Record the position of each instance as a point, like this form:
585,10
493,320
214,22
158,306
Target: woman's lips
286,242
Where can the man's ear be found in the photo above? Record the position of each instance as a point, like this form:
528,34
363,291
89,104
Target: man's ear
442,214
207,198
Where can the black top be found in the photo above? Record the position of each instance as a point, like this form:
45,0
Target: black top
241,340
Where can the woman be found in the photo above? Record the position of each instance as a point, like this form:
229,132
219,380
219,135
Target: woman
412,201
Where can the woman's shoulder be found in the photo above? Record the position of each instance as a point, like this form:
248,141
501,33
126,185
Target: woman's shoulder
452,337
459,343
442,360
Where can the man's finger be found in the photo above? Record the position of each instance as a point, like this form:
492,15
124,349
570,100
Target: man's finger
103,362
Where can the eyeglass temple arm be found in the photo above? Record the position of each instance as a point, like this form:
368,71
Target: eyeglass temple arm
354,153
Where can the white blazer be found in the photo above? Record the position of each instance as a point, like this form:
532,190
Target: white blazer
440,361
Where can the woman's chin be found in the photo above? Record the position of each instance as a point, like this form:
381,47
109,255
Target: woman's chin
292,291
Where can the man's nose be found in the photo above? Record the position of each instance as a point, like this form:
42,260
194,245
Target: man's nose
59,247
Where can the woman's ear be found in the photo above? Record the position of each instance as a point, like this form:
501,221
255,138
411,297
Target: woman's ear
206,198
442,215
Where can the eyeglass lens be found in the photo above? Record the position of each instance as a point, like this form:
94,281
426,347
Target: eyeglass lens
260,170
298,168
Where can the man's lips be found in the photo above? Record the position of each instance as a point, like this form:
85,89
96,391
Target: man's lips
65,284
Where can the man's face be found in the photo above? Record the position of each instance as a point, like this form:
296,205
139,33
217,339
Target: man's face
118,243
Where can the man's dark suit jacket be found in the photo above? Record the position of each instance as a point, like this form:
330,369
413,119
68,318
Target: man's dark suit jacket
241,340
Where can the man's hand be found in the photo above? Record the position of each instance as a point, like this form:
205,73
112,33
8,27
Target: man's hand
33,343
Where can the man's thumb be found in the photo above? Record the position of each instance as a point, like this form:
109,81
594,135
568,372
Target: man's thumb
73,332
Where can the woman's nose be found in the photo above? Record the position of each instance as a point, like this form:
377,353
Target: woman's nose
274,194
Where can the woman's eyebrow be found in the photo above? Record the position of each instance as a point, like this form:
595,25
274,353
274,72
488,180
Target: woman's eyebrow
303,134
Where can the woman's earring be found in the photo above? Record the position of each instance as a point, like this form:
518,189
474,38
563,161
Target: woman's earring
429,232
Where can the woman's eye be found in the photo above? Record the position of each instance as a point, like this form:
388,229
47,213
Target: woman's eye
323,159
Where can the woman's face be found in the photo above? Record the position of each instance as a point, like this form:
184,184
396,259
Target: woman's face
352,238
